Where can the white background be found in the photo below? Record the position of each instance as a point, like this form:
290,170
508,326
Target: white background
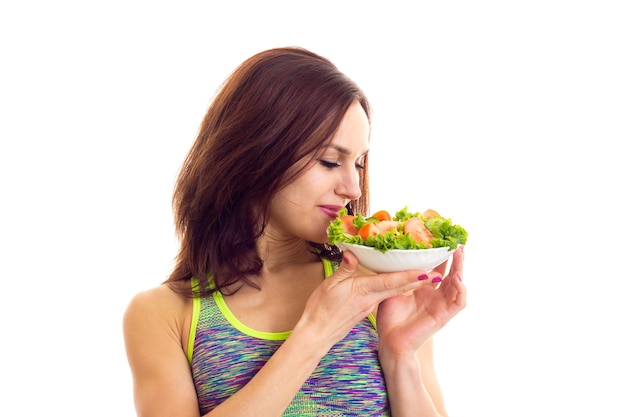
508,117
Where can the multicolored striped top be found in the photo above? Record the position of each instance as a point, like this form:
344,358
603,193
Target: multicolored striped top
225,354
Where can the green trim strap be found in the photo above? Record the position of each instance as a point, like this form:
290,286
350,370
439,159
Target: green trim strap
195,314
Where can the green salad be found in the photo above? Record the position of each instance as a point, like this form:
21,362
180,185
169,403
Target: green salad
404,230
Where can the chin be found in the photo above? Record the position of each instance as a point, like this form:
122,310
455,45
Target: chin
322,239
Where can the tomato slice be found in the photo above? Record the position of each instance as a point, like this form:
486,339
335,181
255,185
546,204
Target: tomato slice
382,215
348,224
430,213
387,225
368,229
417,230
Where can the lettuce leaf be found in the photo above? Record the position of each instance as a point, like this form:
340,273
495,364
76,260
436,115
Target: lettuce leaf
445,233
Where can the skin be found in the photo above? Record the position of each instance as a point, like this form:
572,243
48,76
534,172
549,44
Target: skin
295,296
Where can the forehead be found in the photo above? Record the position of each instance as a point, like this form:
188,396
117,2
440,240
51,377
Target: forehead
352,136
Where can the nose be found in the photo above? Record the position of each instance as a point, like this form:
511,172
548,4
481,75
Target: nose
349,185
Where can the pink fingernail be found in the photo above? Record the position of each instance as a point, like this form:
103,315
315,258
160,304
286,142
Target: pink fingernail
422,277
459,277
436,279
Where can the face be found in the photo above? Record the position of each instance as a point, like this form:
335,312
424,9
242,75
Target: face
304,208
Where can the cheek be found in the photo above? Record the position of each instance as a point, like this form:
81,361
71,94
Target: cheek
319,181
309,188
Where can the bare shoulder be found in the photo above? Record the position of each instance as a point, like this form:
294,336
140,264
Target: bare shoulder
156,329
157,310
159,300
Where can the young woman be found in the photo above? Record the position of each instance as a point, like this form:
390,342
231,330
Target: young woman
260,316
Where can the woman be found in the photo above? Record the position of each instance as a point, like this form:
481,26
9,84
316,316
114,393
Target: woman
260,316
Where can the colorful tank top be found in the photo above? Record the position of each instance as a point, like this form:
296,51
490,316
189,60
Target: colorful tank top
225,354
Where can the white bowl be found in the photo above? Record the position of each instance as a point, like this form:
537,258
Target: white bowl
398,259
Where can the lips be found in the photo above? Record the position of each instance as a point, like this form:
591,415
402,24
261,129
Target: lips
330,211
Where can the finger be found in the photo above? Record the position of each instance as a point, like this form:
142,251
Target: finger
456,268
347,268
453,284
388,285
436,278
461,295
457,262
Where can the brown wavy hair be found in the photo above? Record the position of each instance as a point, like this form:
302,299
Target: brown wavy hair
278,107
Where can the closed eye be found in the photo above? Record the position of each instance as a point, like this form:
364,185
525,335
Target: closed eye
329,164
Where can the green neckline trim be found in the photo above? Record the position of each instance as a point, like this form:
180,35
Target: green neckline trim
234,321
329,268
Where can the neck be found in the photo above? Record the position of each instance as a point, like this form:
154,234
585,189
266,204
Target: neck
276,253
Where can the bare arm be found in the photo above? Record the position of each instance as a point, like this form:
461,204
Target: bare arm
426,358
154,329
406,325
163,384
412,385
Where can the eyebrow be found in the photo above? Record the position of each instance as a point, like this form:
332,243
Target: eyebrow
344,151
